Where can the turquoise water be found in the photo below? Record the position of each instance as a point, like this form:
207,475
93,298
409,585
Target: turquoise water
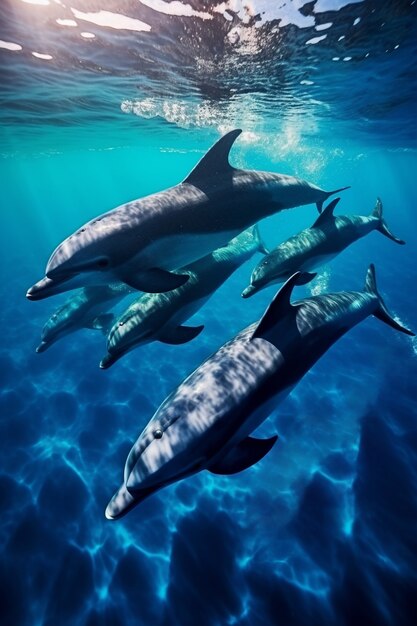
322,531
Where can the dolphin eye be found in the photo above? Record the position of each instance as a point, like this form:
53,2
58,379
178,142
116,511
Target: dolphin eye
121,323
158,433
103,263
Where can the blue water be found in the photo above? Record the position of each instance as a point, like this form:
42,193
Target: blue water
323,530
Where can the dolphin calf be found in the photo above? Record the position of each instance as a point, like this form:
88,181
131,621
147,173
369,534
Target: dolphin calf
315,246
141,242
87,308
206,422
160,316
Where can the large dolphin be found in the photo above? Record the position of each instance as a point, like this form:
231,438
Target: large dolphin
315,246
141,242
160,316
87,308
206,422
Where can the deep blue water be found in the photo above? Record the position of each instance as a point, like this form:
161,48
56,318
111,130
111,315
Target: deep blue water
323,530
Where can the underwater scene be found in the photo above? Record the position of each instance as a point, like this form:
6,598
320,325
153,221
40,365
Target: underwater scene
208,363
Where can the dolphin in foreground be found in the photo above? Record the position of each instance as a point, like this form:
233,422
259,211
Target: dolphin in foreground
141,242
160,316
315,246
87,308
207,421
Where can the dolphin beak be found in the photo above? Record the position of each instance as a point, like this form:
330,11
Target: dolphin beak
36,292
124,501
42,347
42,289
249,291
108,360
120,504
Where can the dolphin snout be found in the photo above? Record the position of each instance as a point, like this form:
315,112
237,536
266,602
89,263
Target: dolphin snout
39,290
107,361
44,345
249,291
120,504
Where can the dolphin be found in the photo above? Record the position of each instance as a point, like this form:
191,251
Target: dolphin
207,421
86,308
315,246
160,316
141,242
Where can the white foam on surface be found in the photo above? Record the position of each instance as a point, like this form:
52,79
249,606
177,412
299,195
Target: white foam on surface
39,2
324,26
175,8
9,45
112,20
45,57
315,40
63,22
40,55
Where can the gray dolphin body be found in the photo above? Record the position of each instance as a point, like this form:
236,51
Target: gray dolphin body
206,422
160,316
87,308
316,245
141,242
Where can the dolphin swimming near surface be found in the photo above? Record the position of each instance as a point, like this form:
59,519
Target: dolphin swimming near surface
141,242
207,421
160,316
87,308
315,246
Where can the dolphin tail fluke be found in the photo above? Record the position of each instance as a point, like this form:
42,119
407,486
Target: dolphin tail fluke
260,244
381,311
319,203
382,225
244,455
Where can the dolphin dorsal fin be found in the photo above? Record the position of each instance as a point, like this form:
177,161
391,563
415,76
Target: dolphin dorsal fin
279,306
216,161
327,214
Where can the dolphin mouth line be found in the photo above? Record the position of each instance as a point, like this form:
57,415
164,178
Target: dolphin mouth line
112,358
37,293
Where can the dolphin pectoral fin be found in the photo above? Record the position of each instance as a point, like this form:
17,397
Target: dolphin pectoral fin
102,322
215,162
180,334
156,280
244,455
306,277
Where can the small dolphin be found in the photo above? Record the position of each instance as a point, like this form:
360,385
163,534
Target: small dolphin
87,308
159,316
206,422
140,242
315,246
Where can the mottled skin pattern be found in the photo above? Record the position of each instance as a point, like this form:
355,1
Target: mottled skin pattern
177,226
234,390
313,247
81,311
151,316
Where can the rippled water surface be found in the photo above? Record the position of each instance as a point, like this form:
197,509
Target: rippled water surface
104,101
